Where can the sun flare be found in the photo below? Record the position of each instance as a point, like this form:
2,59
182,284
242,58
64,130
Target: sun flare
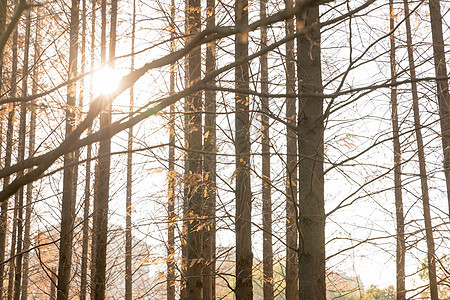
106,81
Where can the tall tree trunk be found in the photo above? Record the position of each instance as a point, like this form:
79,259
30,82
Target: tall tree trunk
244,255
291,167
9,150
266,179
104,164
184,246
3,8
95,198
87,187
21,157
171,277
194,162
128,204
440,69
53,284
68,201
94,231
31,145
209,167
401,248
311,256
422,165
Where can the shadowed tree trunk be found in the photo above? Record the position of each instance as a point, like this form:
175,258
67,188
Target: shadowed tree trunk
244,255
266,181
95,197
9,150
21,157
400,250
128,204
194,163
291,167
87,187
311,256
422,165
209,167
440,69
104,165
68,201
31,145
171,277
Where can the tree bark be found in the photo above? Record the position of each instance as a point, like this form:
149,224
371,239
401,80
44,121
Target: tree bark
171,277
311,256
244,255
21,157
440,69
87,187
31,146
68,201
9,150
401,248
104,164
291,167
194,162
422,166
128,204
209,167
266,179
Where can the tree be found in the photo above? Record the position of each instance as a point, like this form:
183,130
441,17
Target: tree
266,182
68,202
401,247
311,255
244,255
291,167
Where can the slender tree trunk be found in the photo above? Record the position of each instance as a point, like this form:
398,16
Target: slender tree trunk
21,157
89,150
194,161
244,255
401,248
9,150
266,180
184,245
68,201
34,89
128,235
3,8
440,69
311,257
87,187
171,277
104,164
422,165
209,167
94,231
53,285
291,167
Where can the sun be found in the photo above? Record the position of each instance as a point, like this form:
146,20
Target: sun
106,81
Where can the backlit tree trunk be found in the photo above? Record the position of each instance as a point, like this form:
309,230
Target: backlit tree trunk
400,250
194,163
311,256
68,201
291,167
244,255
209,167
21,157
266,181
440,69
171,277
422,166
128,204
